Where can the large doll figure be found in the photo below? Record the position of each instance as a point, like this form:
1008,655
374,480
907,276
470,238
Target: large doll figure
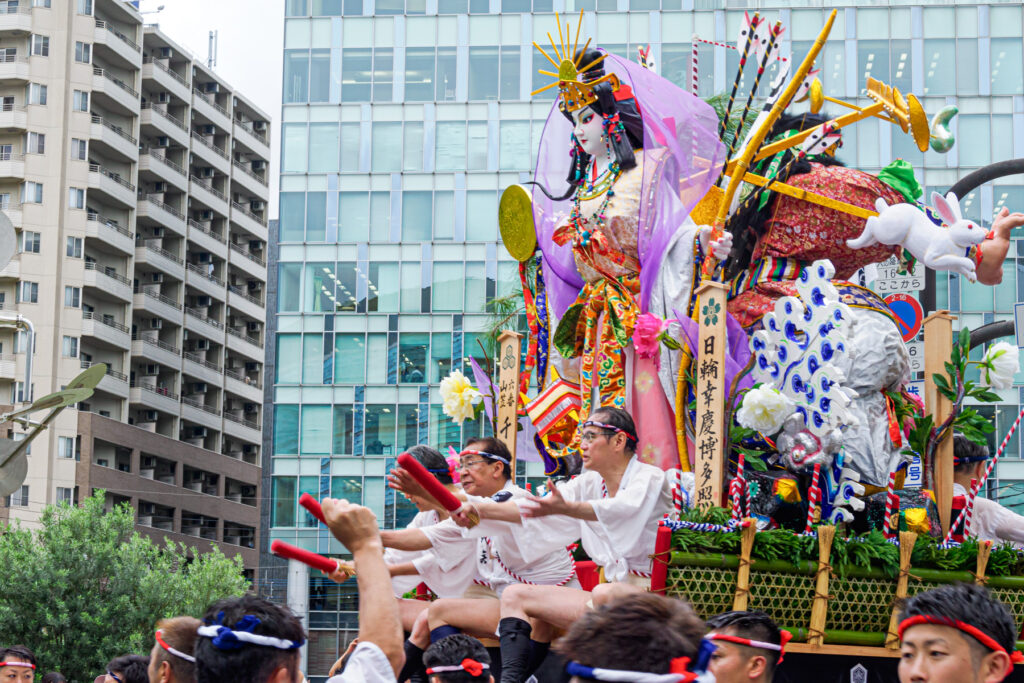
638,153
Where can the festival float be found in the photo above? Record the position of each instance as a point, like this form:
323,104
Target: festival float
698,268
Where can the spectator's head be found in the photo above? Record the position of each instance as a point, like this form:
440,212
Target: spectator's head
607,437
434,463
458,659
53,677
969,458
748,646
17,664
248,640
172,660
485,466
128,669
643,633
956,634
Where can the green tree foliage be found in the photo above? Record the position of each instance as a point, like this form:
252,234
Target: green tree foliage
86,587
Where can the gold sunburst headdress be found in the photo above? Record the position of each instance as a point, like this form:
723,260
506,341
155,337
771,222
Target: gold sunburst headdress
577,90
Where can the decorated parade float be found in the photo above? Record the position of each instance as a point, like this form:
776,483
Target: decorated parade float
696,265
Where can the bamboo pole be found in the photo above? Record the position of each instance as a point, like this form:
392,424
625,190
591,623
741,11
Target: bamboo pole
739,601
819,610
984,550
907,541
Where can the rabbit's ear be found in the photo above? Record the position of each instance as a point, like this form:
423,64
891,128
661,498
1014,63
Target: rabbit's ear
949,216
954,205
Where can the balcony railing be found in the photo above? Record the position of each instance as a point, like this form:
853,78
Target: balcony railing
259,135
169,209
159,391
252,424
89,315
166,254
97,71
11,156
202,361
151,151
113,373
248,254
125,39
8,58
207,231
166,69
11,106
160,344
188,400
208,187
109,223
241,377
199,316
242,293
16,8
203,274
170,117
205,142
109,272
96,168
252,340
117,129
249,172
209,100
238,207
159,297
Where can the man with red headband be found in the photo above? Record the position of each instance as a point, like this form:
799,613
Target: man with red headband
171,660
613,508
749,645
956,634
458,659
17,665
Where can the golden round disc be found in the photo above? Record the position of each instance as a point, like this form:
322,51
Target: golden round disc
918,123
817,96
515,220
567,70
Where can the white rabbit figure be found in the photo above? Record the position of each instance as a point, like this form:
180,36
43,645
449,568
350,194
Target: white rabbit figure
936,247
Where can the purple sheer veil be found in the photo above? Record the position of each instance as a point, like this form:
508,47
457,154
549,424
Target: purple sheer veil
682,159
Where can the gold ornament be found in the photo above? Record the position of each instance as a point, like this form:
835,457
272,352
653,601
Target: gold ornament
576,94
515,221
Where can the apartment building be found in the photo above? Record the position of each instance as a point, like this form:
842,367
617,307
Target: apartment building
136,179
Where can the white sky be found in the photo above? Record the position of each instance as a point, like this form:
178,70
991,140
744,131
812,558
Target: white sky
249,54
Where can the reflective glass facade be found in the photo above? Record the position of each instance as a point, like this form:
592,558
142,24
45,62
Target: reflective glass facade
403,120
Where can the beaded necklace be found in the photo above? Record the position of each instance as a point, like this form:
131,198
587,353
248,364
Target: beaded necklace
602,185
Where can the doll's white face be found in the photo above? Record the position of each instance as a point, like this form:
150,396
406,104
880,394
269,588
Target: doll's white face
589,130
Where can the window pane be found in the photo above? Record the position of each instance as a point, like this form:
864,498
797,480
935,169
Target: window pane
967,67
284,502
286,429
319,288
446,293
292,226
477,158
387,147
356,74
345,286
383,74
482,82
509,73
316,429
296,66
320,76
313,359
349,361
419,74
440,356
450,146
295,144
380,430
1007,69
383,289
408,430
380,216
413,147
417,210
974,142
508,278
310,486
323,148
376,358
940,64
540,80
347,488
481,216
289,290
343,428
412,357
901,59
351,137
289,353
316,216
444,215
353,216
443,432
476,287
872,60
412,294
514,152
446,74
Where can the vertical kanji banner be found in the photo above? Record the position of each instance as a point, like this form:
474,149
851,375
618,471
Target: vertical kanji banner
709,372
508,389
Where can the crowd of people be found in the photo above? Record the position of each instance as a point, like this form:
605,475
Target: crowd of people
510,606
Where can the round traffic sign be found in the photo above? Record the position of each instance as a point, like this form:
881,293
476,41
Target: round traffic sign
908,314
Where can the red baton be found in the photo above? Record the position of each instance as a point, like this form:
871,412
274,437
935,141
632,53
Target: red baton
324,564
436,489
312,505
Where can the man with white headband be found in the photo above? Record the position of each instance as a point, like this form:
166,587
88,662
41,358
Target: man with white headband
458,659
749,646
17,665
613,508
507,555
171,660
637,638
956,634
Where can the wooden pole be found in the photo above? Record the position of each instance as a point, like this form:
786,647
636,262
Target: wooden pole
739,601
819,610
508,390
710,437
907,541
938,343
984,550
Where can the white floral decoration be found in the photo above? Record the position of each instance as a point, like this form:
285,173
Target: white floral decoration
764,409
1000,364
459,396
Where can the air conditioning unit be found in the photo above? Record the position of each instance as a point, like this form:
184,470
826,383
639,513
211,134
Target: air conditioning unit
238,198
156,323
202,344
254,284
251,408
261,126
163,141
251,366
158,277
248,448
255,245
151,369
206,215
259,165
158,232
212,87
160,186
163,97
205,257
206,172
253,326
148,416
257,205
199,388
208,130
199,432
165,53
234,321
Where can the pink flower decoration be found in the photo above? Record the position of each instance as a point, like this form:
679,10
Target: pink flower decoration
645,335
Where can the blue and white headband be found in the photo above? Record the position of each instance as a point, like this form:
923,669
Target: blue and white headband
679,673
224,638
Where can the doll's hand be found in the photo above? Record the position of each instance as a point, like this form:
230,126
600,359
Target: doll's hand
721,247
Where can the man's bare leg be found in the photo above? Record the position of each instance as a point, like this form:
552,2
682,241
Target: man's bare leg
409,611
528,616
477,617
604,593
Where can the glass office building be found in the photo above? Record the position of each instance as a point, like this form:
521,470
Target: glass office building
404,119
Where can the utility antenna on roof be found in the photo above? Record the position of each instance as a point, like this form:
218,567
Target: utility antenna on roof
211,58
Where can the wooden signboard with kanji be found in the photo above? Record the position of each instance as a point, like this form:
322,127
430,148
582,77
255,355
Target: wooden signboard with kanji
508,389
938,341
709,373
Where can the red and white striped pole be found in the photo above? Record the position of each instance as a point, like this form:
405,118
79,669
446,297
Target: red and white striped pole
694,69
891,501
813,498
969,507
